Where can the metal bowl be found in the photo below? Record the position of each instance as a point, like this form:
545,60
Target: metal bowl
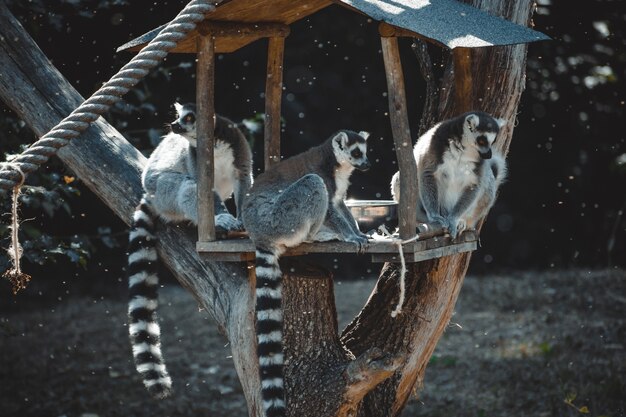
370,214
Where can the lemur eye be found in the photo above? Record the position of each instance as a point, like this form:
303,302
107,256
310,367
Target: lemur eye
190,118
481,140
356,153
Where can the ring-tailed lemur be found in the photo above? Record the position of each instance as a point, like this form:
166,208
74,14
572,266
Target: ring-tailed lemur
458,171
169,182
286,206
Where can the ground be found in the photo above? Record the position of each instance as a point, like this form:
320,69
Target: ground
519,344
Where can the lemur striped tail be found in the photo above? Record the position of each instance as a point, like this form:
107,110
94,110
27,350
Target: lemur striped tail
269,330
143,282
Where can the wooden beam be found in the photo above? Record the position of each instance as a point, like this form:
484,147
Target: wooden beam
463,91
390,31
383,250
205,132
243,29
407,206
273,98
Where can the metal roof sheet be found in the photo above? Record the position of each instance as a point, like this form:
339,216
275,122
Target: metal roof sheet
448,22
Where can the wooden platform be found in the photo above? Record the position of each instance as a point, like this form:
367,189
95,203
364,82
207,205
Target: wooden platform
242,249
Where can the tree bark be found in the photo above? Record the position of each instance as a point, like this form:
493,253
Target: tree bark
111,167
369,370
498,79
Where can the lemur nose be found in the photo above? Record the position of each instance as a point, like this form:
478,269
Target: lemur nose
177,128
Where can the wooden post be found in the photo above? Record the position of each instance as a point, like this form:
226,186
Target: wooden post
205,132
463,78
111,167
273,95
407,207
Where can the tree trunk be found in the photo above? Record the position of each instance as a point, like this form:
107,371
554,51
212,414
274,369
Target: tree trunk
497,81
373,367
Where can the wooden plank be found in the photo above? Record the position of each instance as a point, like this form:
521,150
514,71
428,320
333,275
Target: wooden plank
462,58
246,11
427,254
407,205
257,30
381,250
273,99
227,256
253,11
205,132
387,30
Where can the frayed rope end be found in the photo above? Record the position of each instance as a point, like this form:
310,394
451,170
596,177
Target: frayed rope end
396,311
15,275
17,278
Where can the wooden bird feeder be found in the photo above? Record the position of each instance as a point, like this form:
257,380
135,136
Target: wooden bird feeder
236,23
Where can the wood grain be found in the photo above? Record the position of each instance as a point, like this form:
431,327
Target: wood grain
246,11
432,287
402,138
205,133
111,167
273,99
381,250
463,84
242,29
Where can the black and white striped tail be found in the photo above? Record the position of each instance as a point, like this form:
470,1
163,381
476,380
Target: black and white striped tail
269,329
143,283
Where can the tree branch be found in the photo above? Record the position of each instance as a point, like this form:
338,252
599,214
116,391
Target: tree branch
429,113
108,165
379,357
433,286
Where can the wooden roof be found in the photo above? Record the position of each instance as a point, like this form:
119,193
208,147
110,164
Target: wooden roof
446,22
245,11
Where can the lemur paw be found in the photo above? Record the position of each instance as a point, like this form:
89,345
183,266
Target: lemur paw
461,225
361,242
456,227
228,223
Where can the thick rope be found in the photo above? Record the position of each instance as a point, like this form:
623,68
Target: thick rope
110,93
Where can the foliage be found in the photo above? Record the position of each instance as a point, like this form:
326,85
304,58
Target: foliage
572,113
49,201
555,209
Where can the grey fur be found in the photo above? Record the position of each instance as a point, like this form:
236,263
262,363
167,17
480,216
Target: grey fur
169,178
170,192
458,171
494,174
288,205
291,201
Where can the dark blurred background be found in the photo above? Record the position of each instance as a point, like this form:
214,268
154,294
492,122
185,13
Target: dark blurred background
563,205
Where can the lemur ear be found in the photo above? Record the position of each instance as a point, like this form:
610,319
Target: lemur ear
178,107
341,139
501,123
472,121
364,134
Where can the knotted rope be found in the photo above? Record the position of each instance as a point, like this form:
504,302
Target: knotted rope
15,275
110,93
399,242
13,173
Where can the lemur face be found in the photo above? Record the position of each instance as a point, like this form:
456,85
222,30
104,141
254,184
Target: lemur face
480,131
351,147
185,123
